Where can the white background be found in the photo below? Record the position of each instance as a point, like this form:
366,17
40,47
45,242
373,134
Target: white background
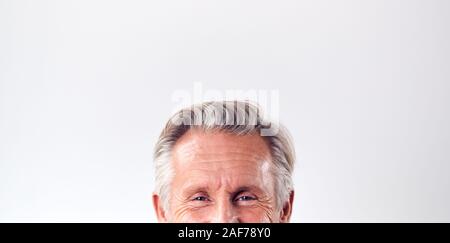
86,85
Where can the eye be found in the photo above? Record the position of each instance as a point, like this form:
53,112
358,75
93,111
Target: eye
200,198
245,198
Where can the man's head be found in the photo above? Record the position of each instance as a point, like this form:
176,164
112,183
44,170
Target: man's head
213,165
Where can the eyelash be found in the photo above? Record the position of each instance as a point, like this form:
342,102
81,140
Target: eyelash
242,198
200,198
249,198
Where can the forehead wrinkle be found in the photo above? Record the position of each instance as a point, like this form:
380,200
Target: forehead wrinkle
225,168
195,152
205,174
231,155
219,139
201,178
189,153
203,147
192,150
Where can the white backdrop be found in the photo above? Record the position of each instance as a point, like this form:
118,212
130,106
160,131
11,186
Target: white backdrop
85,88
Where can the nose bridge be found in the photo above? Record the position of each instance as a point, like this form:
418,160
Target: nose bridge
224,211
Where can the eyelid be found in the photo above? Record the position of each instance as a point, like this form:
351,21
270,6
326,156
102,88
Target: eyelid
206,198
200,194
245,194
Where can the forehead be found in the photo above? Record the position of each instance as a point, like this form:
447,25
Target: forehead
197,145
218,154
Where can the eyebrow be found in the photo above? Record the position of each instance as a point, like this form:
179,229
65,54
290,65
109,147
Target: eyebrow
192,189
252,188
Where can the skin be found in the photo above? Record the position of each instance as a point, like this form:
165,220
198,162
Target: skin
222,178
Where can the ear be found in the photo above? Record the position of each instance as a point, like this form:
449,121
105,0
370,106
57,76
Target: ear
159,209
287,209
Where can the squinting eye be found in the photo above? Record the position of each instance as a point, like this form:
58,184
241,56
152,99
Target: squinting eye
200,198
245,198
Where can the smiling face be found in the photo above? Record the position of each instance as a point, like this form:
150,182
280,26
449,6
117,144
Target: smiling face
221,177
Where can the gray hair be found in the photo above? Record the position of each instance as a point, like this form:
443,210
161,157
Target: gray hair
235,117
